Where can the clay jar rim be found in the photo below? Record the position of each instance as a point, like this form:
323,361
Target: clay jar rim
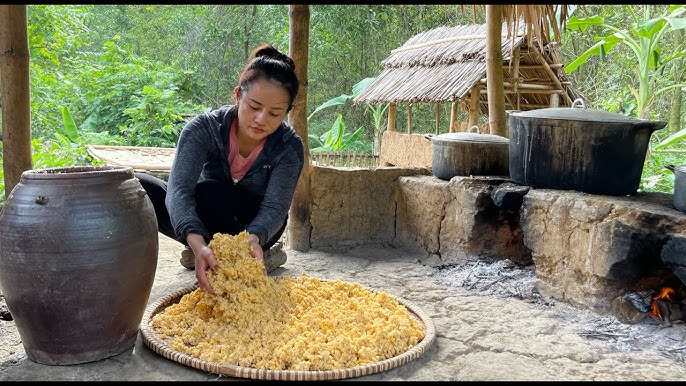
76,171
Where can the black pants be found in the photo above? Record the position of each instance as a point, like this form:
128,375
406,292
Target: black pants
221,207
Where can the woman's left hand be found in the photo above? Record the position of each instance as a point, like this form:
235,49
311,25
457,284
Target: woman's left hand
256,250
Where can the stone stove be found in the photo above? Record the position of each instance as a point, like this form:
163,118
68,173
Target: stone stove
586,250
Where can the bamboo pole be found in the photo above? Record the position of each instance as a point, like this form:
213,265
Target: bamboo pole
16,97
530,91
515,73
392,110
494,71
473,107
299,227
550,72
453,117
409,118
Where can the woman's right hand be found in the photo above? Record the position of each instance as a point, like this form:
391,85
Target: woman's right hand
204,259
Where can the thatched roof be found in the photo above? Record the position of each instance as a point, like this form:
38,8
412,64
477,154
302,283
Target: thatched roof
445,63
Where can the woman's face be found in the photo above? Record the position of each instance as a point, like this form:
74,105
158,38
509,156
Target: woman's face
261,109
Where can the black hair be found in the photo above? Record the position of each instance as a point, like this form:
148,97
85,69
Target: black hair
269,63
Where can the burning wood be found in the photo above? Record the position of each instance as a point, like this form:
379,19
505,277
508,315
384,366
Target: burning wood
664,304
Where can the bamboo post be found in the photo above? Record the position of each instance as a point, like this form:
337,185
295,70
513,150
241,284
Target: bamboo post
494,71
473,107
409,118
299,227
16,97
453,117
392,109
517,54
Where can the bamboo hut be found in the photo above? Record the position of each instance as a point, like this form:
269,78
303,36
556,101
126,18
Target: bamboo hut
448,65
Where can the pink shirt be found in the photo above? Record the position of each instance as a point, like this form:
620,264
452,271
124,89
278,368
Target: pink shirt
239,164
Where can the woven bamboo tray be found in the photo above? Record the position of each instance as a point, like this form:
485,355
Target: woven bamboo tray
138,157
162,347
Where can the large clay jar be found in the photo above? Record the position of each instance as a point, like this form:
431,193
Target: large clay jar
78,254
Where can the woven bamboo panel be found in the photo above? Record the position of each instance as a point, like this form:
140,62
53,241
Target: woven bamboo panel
162,347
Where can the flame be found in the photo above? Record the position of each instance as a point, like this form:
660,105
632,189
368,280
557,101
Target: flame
664,294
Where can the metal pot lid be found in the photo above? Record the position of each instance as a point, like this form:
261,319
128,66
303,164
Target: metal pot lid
576,114
469,137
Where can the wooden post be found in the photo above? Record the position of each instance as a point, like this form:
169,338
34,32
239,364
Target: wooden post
438,117
299,227
409,118
474,108
16,97
453,117
392,109
494,71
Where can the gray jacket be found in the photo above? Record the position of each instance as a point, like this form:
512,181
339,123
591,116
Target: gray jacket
202,152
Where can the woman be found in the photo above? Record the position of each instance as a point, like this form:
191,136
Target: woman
236,168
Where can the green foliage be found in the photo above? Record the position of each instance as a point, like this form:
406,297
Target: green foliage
655,177
336,138
154,119
643,38
127,71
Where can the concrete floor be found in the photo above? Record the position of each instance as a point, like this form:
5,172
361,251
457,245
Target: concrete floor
480,335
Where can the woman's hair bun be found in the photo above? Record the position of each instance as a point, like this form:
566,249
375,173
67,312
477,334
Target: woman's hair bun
269,51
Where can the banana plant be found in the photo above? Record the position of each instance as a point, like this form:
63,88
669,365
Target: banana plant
644,41
336,138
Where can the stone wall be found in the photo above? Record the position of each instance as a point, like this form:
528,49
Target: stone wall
353,206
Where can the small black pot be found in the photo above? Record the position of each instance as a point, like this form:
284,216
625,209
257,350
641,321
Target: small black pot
468,154
679,186
579,149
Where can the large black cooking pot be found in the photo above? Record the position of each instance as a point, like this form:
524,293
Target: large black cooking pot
579,149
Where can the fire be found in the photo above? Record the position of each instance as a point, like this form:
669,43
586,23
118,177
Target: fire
664,294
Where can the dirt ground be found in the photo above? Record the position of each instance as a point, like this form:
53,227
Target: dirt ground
491,325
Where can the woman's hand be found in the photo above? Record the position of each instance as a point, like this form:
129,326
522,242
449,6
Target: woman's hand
256,250
204,259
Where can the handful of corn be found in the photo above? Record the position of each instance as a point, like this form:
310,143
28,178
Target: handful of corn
282,323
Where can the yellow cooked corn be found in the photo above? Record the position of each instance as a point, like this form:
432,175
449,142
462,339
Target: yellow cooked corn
280,323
